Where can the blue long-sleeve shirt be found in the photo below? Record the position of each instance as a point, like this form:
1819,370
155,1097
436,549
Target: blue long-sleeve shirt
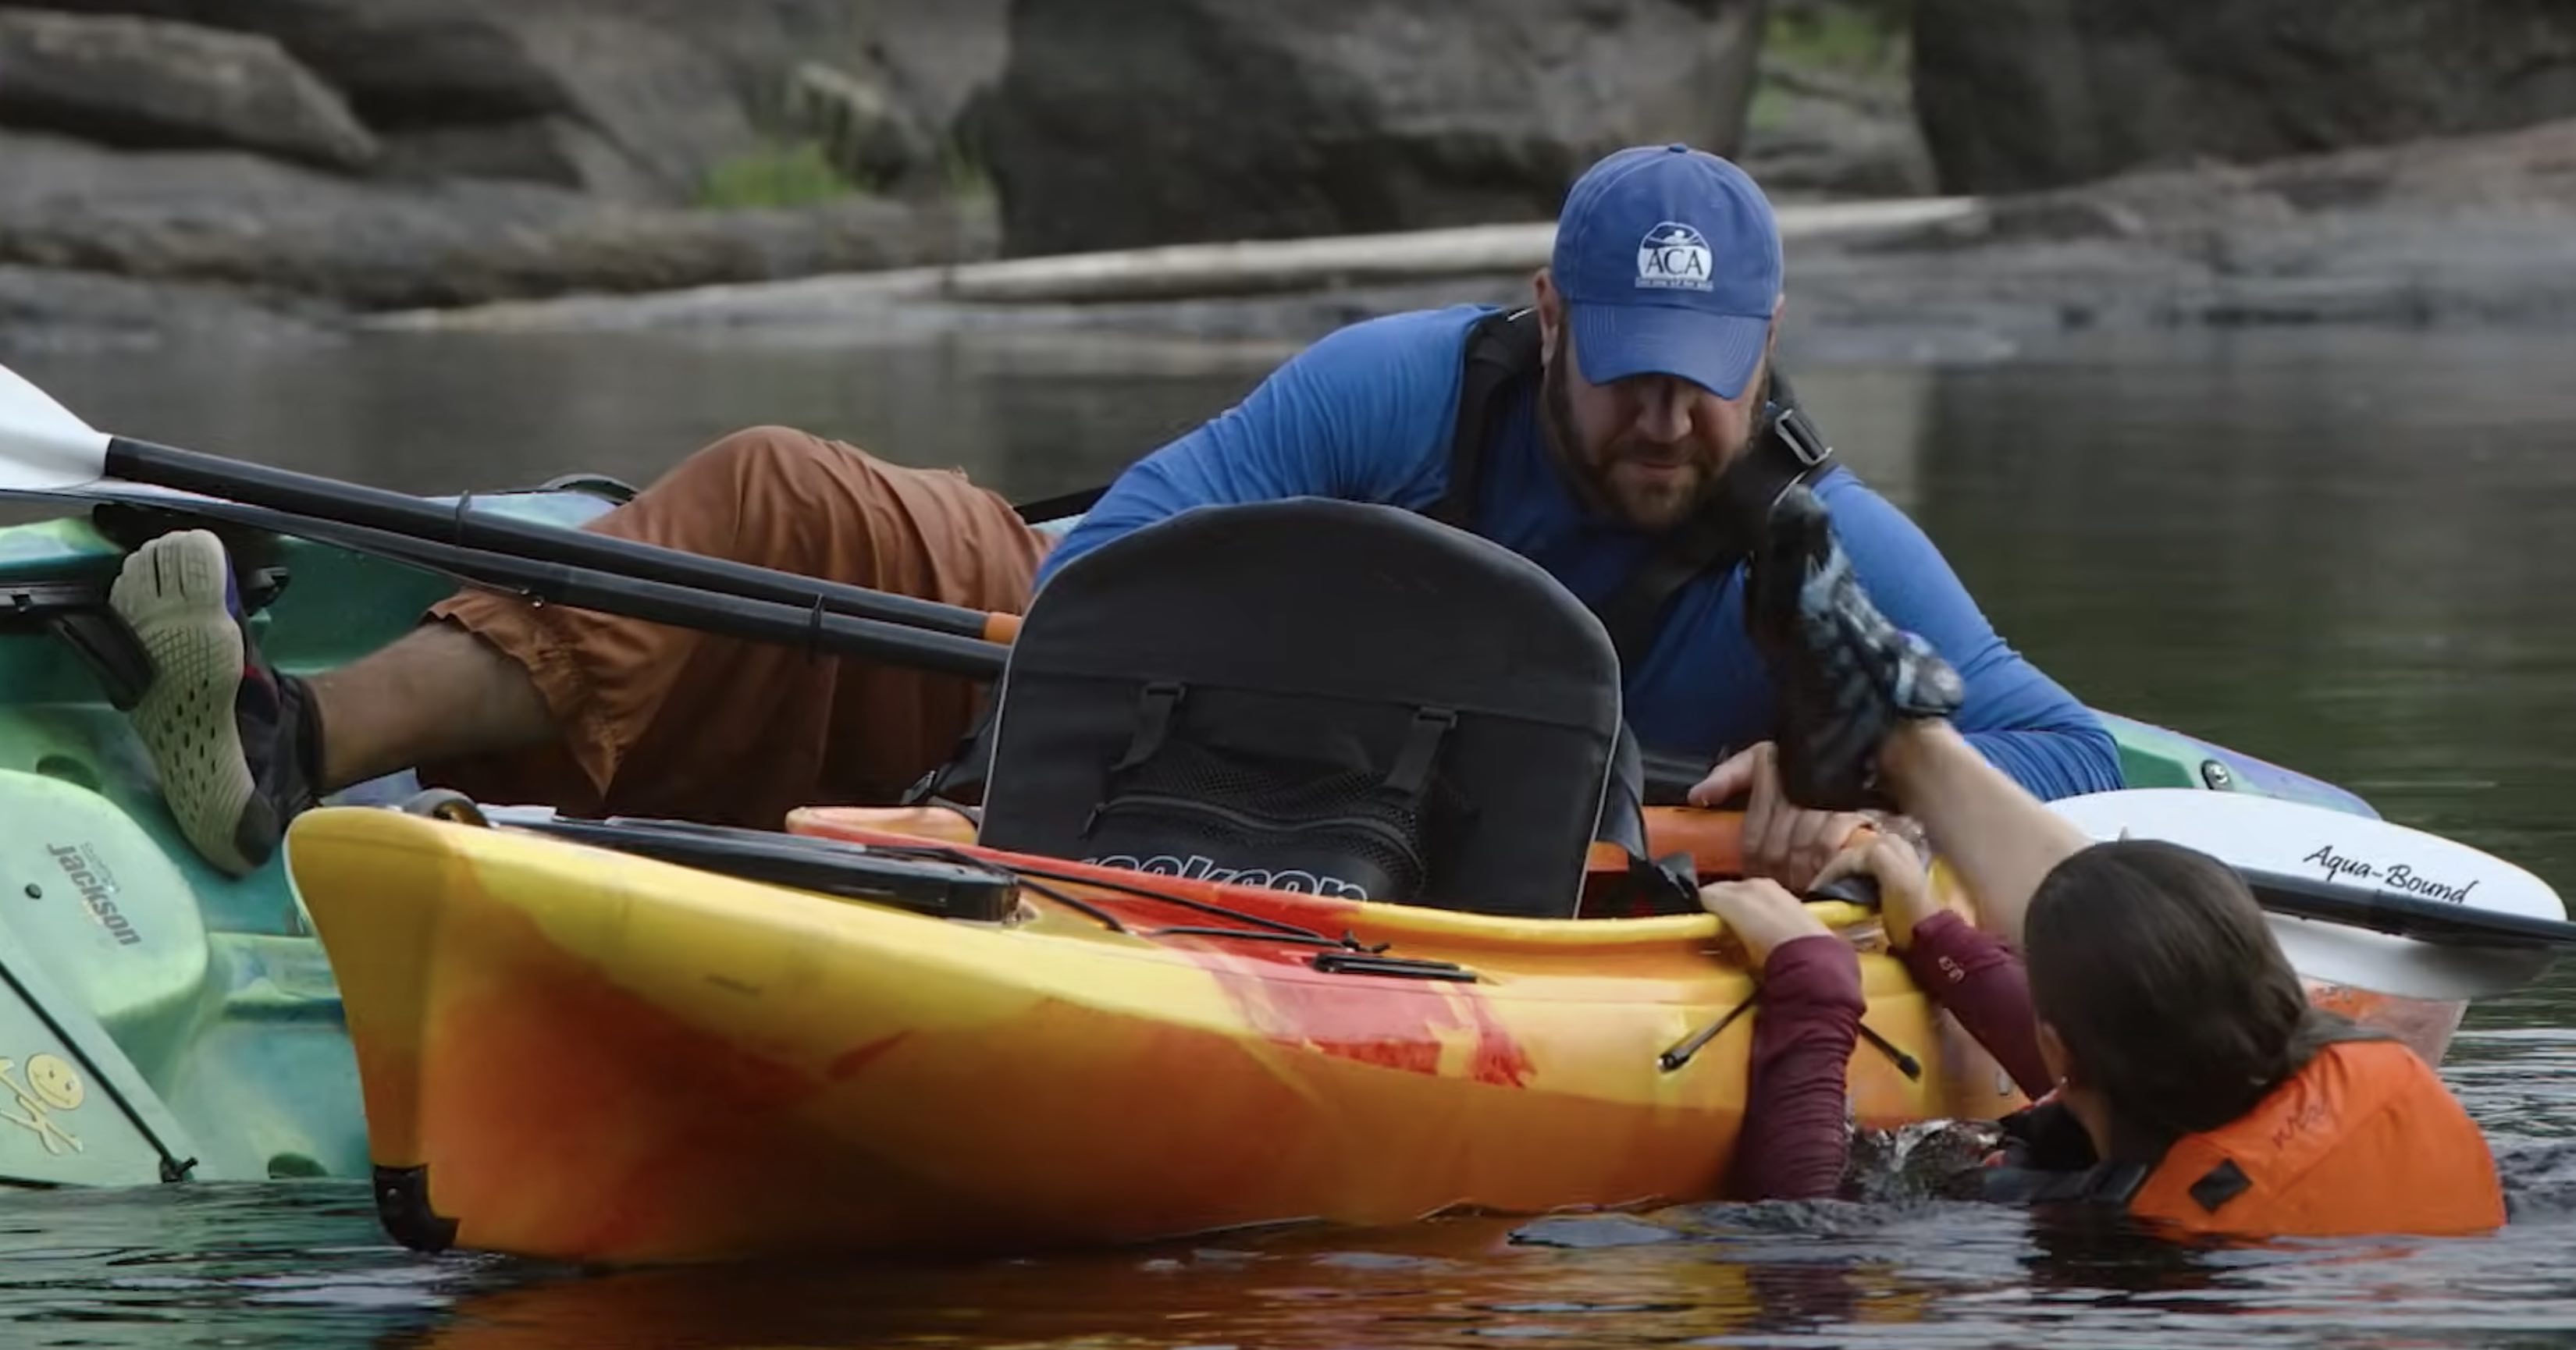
1367,413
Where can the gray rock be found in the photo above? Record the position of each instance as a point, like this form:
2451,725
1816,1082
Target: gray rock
236,219
401,62
1162,121
83,312
938,57
2477,229
674,86
653,92
2021,94
1812,135
755,42
2472,230
554,150
866,131
146,82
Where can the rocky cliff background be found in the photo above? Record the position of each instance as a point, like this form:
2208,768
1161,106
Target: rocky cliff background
202,163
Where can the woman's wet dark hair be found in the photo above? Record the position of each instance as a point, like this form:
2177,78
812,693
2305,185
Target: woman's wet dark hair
2155,966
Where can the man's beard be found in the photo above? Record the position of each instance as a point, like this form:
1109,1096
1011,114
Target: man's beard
1650,506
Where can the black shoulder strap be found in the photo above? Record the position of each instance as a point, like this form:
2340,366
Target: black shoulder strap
1787,449
1501,351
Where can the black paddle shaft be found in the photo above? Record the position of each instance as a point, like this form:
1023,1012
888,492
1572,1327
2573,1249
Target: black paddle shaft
809,627
400,514
2443,923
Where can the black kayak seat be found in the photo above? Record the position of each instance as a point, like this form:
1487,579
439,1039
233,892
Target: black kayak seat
1315,695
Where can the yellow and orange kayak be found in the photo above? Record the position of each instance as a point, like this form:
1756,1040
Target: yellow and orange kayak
577,1052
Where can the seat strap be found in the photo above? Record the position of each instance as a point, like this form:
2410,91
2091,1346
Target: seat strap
1154,709
1411,776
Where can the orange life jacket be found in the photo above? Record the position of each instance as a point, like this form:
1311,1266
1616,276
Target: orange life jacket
2365,1139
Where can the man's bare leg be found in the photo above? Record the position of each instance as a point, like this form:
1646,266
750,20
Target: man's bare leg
438,693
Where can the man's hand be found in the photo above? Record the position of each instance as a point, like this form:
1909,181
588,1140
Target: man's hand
1760,914
1782,841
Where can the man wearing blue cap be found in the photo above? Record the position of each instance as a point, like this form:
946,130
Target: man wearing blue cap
1617,433
1638,380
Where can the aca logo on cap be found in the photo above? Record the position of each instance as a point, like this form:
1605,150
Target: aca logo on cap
1673,256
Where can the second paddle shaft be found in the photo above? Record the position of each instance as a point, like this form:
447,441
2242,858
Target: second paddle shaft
397,513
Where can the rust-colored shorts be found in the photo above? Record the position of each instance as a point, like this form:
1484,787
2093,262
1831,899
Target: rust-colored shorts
664,721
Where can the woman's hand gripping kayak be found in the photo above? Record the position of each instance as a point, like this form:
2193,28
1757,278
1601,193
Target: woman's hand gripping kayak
1903,877
1791,1146
1761,915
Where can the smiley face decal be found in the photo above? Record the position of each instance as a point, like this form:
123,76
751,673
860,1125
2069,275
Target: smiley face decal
54,1083
50,1085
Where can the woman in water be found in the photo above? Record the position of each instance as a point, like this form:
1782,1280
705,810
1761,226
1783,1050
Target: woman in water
2182,1074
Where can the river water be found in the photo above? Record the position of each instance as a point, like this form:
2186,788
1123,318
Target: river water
2343,551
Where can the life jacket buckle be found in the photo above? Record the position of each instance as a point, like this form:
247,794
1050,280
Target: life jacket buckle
1805,442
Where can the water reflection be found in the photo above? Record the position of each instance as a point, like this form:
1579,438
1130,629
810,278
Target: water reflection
1032,416
1924,1276
2331,552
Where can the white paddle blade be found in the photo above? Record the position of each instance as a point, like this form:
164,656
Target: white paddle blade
42,446
2337,953
2336,847
2351,852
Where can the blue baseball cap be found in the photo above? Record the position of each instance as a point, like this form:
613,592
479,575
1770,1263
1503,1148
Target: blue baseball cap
1669,262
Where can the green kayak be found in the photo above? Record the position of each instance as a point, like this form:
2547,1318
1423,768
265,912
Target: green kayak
161,1021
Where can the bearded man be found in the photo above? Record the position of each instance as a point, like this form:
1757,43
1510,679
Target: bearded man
1599,432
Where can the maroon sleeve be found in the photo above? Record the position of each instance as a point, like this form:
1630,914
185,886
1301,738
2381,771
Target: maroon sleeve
1793,1145
1981,982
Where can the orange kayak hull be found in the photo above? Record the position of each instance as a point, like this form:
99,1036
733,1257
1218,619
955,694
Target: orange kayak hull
574,1053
